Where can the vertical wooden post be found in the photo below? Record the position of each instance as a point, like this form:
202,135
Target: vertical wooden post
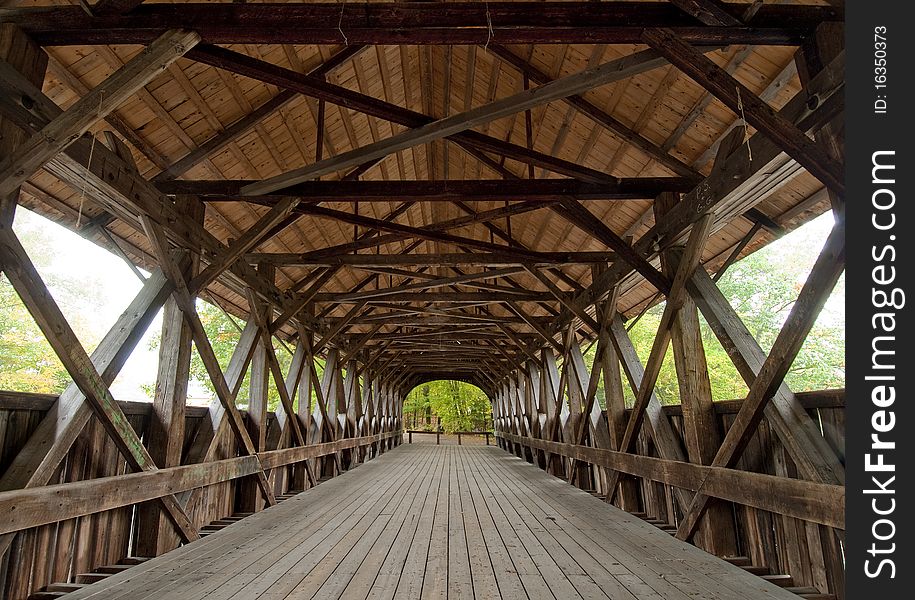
165,431
701,433
628,494
827,42
250,499
31,61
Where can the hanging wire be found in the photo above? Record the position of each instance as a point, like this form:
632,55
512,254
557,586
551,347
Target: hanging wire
82,193
489,31
746,126
340,24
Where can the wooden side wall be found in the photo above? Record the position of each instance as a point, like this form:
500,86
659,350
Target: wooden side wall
58,552
811,553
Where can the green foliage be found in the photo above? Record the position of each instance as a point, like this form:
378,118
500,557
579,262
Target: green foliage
459,406
29,364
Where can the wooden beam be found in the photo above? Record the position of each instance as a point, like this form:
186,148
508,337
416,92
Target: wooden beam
785,413
481,190
165,429
710,12
577,214
250,239
453,259
185,302
364,23
805,500
114,7
429,284
21,273
117,187
319,88
428,232
700,430
746,104
599,116
738,182
819,285
675,299
29,61
91,108
238,128
448,297
66,418
560,88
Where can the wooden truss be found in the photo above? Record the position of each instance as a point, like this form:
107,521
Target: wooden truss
459,297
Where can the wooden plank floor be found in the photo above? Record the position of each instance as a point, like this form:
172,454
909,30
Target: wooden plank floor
426,521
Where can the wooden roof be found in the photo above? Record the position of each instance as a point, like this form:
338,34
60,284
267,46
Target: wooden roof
193,103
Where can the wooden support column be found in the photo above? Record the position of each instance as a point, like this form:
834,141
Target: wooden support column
700,425
250,499
167,417
628,494
827,42
21,53
819,285
354,414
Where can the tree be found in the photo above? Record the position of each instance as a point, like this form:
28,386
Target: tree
459,406
29,362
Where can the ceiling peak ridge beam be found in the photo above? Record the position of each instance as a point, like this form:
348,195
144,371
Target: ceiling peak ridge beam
585,80
438,190
260,70
415,23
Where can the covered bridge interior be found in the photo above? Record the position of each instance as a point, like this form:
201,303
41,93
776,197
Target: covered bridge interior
410,192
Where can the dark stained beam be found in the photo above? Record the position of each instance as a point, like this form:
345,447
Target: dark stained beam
452,297
415,23
247,66
417,232
483,190
242,125
114,7
710,12
746,104
455,259
576,213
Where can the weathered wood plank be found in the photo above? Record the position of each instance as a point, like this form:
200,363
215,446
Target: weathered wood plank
91,108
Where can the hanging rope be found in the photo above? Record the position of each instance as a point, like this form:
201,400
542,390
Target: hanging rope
340,24
82,193
489,31
746,126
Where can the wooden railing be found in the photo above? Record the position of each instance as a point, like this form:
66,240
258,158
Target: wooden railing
787,524
86,517
806,500
438,435
52,503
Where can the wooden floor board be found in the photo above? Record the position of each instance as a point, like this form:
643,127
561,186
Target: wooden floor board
427,521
